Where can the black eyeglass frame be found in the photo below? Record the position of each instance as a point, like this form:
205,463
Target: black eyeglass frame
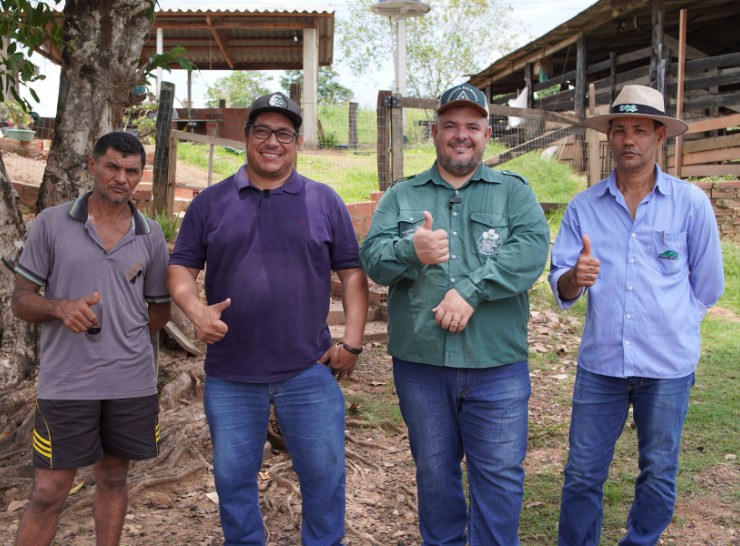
293,134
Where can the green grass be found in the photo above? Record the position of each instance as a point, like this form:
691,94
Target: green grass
710,432
731,256
354,173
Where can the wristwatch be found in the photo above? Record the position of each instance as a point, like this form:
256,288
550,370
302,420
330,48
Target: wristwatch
349,348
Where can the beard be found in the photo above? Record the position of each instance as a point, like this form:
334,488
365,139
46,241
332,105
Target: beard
458,167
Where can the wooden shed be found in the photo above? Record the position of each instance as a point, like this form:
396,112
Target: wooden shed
688,49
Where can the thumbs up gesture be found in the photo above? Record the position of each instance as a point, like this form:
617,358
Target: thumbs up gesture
431,246
208,324
587,267
580,276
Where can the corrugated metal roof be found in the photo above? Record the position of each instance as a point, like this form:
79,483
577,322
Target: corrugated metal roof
267,38
219,36
221,8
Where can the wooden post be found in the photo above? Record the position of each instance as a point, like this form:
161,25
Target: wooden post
295,92
162,162
353,141
612,77
384,126
172,175
678,158
210,164
658,19
396,139
579,145
592,140
530,129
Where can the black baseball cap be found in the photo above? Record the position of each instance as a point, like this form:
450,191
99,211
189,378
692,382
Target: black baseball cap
276,102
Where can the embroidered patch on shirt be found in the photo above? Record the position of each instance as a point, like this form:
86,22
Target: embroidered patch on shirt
489,243
668,255
410,231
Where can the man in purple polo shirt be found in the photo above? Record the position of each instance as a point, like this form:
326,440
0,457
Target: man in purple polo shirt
270,238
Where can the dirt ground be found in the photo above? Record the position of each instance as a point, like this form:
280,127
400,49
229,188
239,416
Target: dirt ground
173,501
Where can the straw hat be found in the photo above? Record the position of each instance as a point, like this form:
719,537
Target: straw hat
639,101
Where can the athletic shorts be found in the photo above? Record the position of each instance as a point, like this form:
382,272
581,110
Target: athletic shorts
77,433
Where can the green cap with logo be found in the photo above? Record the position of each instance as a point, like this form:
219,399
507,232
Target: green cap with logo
464,95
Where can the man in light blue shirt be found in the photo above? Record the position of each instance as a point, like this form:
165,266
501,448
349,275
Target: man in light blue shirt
646,248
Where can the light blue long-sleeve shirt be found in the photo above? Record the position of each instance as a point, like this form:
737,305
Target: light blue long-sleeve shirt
659,275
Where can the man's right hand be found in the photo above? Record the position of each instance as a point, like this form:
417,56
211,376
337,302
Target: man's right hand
432,247
582,275
209,328
78,315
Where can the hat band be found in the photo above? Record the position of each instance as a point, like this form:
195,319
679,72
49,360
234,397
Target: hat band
631,109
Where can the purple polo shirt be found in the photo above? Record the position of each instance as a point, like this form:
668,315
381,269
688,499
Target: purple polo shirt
271,253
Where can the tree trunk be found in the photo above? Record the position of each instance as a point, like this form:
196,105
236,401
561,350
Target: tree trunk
98,72
18,348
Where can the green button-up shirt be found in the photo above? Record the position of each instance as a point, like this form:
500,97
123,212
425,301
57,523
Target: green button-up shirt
498,243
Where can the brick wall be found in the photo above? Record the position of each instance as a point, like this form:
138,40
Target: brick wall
725,197
220,122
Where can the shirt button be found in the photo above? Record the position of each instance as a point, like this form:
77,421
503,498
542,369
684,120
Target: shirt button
454,256
634,235
629,316
629,288
632,260
454,233
454,214
452,279
627,342
411,218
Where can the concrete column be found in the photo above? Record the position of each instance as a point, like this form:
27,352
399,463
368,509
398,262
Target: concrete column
160,50
310,88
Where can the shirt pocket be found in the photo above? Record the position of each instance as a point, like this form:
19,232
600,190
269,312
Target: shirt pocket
409,221
488,232
671,251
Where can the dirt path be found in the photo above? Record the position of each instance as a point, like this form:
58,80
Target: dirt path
173,501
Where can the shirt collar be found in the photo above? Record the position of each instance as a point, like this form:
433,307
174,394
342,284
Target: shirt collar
78,211
294,183
432,175
661,183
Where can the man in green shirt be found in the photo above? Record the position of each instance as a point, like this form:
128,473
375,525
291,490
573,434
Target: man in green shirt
459,246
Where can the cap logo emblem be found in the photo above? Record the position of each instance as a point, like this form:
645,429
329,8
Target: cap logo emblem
628,108
277,101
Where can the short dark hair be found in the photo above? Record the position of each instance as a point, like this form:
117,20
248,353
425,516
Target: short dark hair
120,141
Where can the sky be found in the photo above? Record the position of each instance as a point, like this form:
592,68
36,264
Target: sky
535,18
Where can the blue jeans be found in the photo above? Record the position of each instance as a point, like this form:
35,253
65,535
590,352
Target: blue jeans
310,409
600,406
478,413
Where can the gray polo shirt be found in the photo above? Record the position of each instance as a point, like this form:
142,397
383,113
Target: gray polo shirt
66,257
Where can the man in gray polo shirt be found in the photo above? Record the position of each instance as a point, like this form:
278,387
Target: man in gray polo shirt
102,267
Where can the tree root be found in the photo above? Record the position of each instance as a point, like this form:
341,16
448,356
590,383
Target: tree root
162,478
387,426
349,454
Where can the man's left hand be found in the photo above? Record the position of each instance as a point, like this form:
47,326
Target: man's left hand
453,312
340,361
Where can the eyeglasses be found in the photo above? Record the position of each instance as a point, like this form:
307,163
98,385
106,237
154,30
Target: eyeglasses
283,136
